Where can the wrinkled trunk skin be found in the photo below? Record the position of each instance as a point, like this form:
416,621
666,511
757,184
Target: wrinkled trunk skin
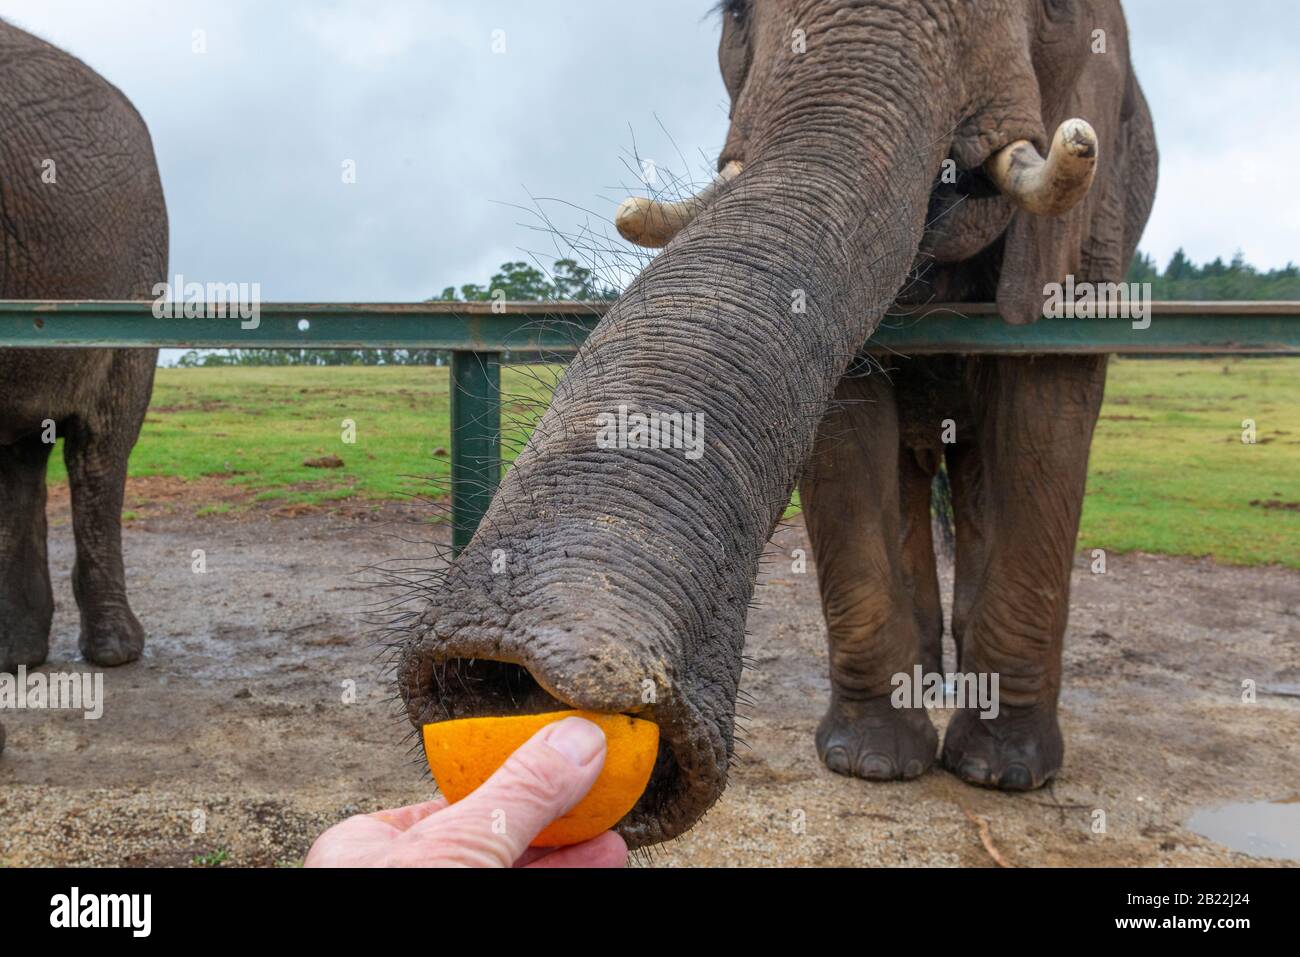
625,575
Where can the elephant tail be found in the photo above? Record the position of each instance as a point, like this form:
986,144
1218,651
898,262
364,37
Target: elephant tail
941,510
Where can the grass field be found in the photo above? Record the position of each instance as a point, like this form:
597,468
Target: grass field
252,428
1169,473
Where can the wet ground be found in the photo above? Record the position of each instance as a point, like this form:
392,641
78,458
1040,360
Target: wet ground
260,715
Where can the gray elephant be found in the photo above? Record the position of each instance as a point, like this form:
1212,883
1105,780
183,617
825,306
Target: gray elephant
623,572
83,218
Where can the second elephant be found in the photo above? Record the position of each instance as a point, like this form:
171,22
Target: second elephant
83,218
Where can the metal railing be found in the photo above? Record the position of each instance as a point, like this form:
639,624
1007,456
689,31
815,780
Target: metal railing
478,334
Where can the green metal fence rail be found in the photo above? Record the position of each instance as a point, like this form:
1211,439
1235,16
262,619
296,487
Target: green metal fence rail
477,334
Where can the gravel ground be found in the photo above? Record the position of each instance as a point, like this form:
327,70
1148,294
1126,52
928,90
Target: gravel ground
260,715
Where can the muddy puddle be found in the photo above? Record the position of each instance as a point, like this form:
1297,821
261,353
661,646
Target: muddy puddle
1260,829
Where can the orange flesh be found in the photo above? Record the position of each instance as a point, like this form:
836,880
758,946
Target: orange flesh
463,754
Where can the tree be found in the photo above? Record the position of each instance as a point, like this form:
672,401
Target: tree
1143,269
1180,267
520,282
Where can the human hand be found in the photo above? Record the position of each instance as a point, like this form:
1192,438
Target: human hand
492,827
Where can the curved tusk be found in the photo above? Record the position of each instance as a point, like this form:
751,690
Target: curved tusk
651,223
1052,186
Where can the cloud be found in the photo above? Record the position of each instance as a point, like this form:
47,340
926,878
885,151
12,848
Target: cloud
373,36
450,139
1214,74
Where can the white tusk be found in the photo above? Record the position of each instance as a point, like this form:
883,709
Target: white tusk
651,223
1052,186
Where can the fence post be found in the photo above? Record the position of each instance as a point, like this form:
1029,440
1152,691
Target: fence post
475,440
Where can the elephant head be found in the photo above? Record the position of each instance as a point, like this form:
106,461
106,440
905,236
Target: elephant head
866,136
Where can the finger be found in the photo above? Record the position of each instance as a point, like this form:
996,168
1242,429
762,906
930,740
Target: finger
540,782
607,850
405,817
533,854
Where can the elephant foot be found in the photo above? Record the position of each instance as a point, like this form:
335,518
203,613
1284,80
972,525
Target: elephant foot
112,639
24,638
872,739
1019,750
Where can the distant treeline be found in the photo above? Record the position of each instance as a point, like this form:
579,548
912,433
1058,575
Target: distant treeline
513,282
1214,281
520,282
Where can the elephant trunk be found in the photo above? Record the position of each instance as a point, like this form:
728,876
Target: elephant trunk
614,568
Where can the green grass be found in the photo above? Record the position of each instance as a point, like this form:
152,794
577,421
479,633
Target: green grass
253,427
212,858
1169,473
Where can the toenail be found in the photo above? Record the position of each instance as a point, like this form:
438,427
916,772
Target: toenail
1016,776
876,767
837,759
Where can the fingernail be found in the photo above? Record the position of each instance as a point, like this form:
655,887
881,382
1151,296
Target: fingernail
577,739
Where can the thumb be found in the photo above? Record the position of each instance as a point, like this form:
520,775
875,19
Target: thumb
549,773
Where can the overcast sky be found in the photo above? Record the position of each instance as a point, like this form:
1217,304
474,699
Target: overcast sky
449,137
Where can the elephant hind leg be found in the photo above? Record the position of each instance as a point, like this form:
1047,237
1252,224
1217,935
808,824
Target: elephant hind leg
96,451
851,499
26,599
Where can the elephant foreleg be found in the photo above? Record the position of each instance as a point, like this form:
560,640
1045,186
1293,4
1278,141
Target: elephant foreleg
26,600
1036,422
851,500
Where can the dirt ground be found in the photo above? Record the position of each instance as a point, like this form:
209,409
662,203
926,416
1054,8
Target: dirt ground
232,742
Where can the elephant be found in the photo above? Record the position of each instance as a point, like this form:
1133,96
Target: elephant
84,217
880,153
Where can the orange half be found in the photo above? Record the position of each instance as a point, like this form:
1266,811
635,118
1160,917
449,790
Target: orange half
463,754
